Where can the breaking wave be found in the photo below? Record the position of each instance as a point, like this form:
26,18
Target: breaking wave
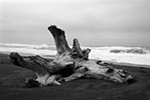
29,46
121,54
131,51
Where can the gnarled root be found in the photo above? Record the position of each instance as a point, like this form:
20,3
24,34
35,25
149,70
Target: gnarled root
69,64
36,64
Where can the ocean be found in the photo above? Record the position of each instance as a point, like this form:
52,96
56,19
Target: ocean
119,54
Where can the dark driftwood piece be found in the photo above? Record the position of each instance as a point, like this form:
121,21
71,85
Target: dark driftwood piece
69,64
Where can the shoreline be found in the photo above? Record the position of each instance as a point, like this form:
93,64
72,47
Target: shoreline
12,79
113,62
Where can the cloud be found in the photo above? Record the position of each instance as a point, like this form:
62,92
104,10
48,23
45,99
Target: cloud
108,19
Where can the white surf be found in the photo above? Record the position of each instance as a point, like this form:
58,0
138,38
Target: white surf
119,54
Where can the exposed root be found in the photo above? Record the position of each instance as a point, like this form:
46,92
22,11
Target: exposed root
69,64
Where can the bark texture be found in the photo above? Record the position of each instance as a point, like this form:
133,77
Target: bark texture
69,64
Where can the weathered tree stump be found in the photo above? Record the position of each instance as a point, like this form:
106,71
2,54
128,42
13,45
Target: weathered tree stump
69,64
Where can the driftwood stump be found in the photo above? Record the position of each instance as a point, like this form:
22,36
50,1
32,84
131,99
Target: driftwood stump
69,64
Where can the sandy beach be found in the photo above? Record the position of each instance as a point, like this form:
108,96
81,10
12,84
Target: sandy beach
12,86
116,33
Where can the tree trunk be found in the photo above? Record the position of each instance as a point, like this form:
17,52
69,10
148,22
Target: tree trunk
69,64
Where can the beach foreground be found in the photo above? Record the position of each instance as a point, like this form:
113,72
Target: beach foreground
12,86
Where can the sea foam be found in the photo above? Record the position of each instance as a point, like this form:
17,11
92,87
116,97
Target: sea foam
120,54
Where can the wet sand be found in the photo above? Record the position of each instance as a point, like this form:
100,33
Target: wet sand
12,86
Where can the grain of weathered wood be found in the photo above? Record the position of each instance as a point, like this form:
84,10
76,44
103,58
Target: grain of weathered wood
69,64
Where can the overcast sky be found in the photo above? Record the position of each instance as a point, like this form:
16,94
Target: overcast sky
93,22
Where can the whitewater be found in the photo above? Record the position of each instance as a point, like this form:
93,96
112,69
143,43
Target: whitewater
119,54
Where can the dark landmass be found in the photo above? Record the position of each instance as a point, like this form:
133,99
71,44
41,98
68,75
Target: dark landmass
12,87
